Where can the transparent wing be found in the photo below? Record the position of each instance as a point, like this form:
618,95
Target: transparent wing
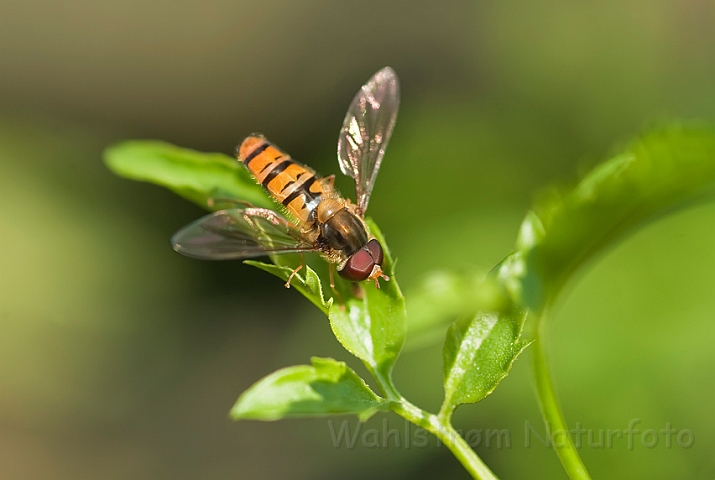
366,131
239,233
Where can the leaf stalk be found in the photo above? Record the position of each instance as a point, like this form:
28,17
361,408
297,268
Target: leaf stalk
437,425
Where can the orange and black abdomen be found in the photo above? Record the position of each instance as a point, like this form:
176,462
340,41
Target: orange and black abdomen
294,185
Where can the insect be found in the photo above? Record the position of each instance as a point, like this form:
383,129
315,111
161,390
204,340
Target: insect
315,217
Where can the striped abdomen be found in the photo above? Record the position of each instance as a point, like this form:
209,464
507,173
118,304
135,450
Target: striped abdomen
294,185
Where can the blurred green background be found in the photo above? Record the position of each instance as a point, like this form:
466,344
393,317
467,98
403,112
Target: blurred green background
120,359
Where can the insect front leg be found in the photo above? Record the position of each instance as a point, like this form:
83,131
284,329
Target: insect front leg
302,263
331,274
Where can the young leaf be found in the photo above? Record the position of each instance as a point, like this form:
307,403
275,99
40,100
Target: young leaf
203,178
327,387
478,353
656,174
480,349
373,327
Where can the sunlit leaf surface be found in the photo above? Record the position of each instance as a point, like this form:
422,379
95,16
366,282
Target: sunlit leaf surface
373,327
478,353
480,349
325,387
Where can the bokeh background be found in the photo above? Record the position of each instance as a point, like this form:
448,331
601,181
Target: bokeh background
120,359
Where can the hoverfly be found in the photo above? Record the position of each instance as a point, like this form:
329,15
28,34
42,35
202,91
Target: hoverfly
315,218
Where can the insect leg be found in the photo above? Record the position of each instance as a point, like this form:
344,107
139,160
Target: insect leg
293,273
376,275
302,264
331,273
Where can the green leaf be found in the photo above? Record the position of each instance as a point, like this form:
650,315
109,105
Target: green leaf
203,178
478,353
308,284
327,387
480,349
656,174
371,325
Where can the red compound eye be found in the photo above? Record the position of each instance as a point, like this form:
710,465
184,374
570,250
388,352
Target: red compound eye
358,267
376,251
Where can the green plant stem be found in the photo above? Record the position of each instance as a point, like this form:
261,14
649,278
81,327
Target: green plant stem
437,426
556,426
